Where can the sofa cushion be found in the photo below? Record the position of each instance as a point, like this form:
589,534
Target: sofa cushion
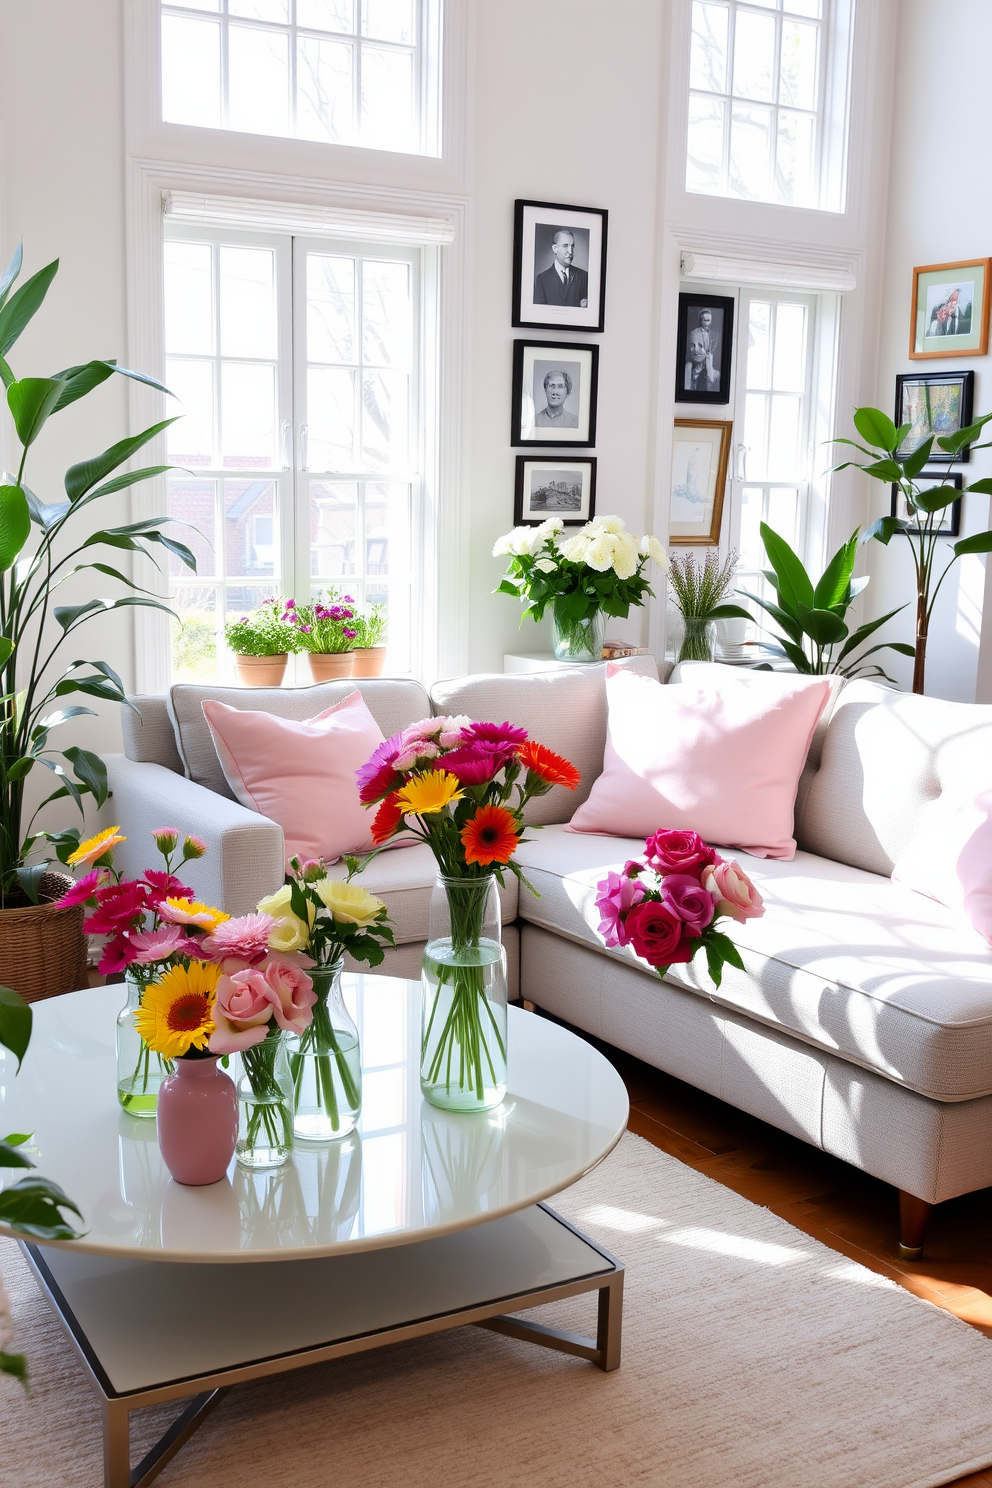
847,960
405,881
950,857
393,703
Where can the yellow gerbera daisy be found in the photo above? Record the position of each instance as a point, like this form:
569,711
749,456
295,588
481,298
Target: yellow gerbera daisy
95,847
428,792
192,912
176,1012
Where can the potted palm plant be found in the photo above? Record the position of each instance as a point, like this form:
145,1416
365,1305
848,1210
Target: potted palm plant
42,545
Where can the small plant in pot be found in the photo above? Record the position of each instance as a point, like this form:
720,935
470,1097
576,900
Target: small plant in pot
370,648
261,642
326,631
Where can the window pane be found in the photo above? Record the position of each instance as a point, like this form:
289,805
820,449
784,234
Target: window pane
759,345
708,56
330,308
752,548
194,501
261,10
248,414
794,165
750,134
387,99
326,15
241,598
790,348
258,81
386,313
250,529
189,312
198,4
798,75
783,438
782,511
805,7
755,415
385,417
704,147
333,530
191,439
194,636
247,302
331,413
388,20
325,90
754,56
190,71
387,529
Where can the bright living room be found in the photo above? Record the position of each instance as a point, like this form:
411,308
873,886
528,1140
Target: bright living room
423,163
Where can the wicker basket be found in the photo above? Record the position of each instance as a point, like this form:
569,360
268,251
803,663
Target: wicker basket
42,946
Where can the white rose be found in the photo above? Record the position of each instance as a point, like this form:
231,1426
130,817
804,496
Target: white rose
545,565
576,548
609,524
626,558
600,553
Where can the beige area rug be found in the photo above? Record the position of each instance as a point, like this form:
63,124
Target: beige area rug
754,1357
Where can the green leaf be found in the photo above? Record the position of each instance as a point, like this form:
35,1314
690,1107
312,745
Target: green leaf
6,375
90,769
15,525
32,1207
83,379
30,401
16,1365
729,612
11,272
15,1023
982,487
83,477
883,470
789,622
68,616
935,498
6,649
875,428
915,462
979,542
884,528
45,514
30,876
835,580
20,767
792,580
860,635
23,304
823,626
17,1139
11,1158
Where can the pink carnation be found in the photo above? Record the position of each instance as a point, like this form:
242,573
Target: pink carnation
246,937
156,945
120,907
161,885
84,890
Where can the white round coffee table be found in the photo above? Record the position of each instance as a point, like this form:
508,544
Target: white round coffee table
419,1221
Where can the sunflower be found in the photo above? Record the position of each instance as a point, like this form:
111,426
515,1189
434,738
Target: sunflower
548,766
192,912
95,847
490,836
428,792
176,1012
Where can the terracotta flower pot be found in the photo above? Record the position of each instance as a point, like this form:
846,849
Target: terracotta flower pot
327,666
42,946
261,671
197,1121
369,661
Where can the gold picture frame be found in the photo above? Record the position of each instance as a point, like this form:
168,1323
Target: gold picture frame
949,316
700,459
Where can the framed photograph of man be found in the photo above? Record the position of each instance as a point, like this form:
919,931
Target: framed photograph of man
554,486
934,403
950,313
700,456
950,522
554,393
705,341
559,266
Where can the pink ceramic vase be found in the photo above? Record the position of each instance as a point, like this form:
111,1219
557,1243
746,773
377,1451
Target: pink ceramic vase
197,1121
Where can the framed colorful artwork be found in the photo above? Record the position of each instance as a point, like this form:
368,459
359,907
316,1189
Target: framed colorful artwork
950,315
934,403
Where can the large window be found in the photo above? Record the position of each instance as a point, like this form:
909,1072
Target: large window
345,72
768,100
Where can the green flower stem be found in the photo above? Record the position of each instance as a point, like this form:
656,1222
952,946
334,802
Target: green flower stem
269,1108
463,1030
320,1041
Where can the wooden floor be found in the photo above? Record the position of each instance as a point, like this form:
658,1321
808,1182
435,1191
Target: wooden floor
820,1195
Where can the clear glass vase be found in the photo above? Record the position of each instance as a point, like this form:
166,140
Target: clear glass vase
698,640
139,1071
577,640
463,1032
265,1103
325,1064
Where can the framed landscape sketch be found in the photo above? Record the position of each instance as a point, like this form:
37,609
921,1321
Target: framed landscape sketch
705,340
554,393
700,456
559,266
934,403
950,314
951,521
554,486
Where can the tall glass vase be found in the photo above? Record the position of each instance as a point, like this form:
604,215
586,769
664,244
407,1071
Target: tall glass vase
463,1032
265,1104
140,1072
699,640
577,640
325,1063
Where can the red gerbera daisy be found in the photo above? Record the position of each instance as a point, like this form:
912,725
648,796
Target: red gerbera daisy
490,837
387,820
547,765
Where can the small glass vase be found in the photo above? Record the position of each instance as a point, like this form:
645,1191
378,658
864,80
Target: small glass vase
265,1103
140,1072
577,640
325,1064
463,1031
699,639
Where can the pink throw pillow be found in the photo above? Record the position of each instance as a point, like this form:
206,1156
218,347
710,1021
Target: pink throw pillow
301,774
721,758
949,858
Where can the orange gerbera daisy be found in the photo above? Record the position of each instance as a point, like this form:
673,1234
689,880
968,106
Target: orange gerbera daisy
547,765
490,837
387,819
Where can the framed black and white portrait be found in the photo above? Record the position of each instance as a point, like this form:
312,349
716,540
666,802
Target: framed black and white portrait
554,393
554,486
559,266
705,342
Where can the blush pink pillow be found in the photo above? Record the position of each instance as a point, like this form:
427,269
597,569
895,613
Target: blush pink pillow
720,757
301,774
949,858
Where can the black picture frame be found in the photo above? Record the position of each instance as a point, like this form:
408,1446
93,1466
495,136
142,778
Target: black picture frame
952,513
535,226
579,364
914,391
528,514
716,367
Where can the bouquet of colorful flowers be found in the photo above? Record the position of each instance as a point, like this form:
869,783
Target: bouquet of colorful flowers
666,905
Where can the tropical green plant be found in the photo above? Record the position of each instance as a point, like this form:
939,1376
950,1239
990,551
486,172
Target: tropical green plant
697,590
813,617
32,694
264,631
882,441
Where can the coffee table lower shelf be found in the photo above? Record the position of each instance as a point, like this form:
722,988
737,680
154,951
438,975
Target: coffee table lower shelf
153,1331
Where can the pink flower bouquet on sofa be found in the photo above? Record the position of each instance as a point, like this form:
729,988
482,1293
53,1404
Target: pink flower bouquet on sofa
666,905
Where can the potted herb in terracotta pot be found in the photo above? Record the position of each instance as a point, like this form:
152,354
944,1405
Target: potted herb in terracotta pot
261,642
326,631
370,647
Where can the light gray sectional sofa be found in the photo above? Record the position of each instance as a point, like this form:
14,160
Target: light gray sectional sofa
863,1022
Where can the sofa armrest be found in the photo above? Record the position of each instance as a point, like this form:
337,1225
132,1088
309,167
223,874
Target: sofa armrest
245,852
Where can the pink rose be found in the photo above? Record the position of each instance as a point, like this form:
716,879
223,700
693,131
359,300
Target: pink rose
243,1007
686,897
655,932
735,894
292,992
674,851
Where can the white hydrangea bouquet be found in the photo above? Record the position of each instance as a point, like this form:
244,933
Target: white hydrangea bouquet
583,577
